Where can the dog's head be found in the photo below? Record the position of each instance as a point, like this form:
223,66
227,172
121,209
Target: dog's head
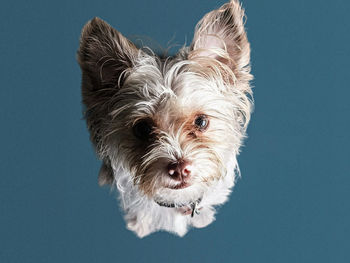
175,124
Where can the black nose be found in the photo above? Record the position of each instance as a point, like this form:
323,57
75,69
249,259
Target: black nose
179,171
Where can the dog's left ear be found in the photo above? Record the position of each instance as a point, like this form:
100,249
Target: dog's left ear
220,34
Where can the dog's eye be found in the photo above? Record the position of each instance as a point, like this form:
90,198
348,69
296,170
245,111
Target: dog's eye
143,130
201,122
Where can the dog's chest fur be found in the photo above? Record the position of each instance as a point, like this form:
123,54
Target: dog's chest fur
145,216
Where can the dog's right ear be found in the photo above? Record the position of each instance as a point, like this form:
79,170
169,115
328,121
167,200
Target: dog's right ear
104,56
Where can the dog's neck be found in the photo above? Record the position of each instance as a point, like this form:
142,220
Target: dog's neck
193,205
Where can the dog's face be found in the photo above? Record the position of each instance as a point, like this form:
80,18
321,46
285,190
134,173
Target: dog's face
176,123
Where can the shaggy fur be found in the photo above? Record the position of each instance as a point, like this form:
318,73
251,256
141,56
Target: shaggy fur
152,119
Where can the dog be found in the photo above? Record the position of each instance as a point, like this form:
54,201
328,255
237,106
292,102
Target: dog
168,129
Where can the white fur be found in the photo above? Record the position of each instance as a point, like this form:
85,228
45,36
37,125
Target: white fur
144,216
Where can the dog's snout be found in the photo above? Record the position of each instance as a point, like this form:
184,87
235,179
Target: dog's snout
180,170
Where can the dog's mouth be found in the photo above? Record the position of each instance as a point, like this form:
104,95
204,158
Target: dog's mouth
182,185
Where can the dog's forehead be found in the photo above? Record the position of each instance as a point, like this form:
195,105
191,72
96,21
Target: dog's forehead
175,108
170,92
186,95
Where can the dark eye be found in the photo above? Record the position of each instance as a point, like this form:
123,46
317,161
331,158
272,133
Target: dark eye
201,122
143,130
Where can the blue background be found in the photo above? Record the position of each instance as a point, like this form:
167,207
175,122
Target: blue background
292,202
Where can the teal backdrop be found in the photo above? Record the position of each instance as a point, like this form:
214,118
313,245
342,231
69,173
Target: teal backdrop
292,202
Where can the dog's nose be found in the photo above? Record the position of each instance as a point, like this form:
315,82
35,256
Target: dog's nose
180,170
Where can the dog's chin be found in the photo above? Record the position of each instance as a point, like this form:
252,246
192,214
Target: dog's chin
181,194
